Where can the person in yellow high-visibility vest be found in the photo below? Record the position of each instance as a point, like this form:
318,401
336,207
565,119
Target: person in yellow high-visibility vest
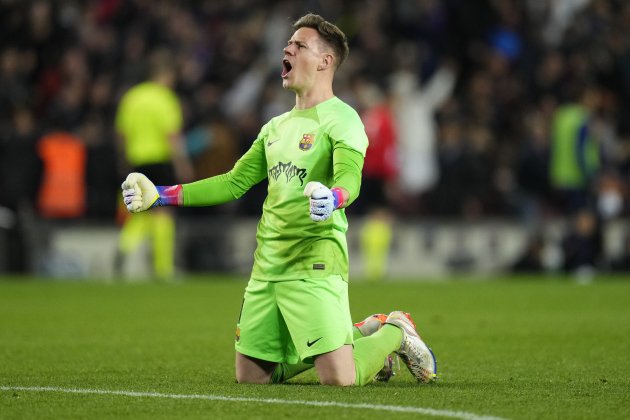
149,122
575,156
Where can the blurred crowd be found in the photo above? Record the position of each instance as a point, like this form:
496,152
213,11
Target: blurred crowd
462,100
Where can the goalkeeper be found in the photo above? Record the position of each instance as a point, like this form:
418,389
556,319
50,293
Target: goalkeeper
295,312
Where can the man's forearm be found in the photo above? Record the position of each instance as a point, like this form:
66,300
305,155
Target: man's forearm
347,167
209,192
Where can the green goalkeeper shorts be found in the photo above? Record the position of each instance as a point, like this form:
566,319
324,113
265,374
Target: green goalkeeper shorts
292,321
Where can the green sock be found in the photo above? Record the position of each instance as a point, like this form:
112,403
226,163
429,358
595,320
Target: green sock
370,352
285,371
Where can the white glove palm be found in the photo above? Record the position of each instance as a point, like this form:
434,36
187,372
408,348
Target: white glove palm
322,201
139,193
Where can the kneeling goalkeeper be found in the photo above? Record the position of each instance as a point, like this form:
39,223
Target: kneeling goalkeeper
295,312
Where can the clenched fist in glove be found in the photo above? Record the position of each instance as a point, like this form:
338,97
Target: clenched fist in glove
323,200
139,193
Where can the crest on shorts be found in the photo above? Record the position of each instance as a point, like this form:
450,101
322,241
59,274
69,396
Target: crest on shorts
307,141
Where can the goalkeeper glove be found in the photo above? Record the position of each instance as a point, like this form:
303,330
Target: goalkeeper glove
323,200
139,193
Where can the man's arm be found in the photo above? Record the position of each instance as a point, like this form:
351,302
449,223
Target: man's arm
140,194
347,167
248,171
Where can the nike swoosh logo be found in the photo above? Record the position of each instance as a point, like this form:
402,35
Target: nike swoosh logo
269,143
310,343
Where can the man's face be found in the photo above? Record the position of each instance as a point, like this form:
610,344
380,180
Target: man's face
302,56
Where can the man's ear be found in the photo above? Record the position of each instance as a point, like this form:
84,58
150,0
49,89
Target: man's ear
326,62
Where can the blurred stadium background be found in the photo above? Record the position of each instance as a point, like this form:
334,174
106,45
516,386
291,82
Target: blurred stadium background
462,100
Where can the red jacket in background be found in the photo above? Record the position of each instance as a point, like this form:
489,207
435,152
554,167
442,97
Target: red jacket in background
381,160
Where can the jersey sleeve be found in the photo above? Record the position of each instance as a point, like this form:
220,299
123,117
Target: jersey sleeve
347,167
349,143
248,171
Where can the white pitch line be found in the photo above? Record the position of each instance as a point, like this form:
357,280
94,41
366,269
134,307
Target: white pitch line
393,408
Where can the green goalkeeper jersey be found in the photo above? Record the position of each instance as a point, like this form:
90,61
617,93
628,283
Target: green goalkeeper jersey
326,143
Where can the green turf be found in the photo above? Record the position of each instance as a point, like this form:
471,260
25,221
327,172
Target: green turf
515,349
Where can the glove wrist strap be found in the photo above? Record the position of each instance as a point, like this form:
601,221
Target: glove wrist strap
169,195
338,201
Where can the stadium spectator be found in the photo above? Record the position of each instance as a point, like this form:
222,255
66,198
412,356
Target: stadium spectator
379,183
149,121
447,197
414,108
20,177
15,88
62,194
295,312
532,169
575,155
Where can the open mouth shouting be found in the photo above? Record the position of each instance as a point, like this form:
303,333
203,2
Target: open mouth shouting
286,68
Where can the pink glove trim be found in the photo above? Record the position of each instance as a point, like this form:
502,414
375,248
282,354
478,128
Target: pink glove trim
338,197
169,195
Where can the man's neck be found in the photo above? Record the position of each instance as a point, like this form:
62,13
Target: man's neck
314,97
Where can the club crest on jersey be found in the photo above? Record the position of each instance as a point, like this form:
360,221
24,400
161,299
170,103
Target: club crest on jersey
307,141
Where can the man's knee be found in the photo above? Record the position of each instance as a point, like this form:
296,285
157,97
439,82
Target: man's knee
336,378
337,367
248,378
253,371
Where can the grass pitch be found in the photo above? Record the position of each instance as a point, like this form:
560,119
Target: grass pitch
522,349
